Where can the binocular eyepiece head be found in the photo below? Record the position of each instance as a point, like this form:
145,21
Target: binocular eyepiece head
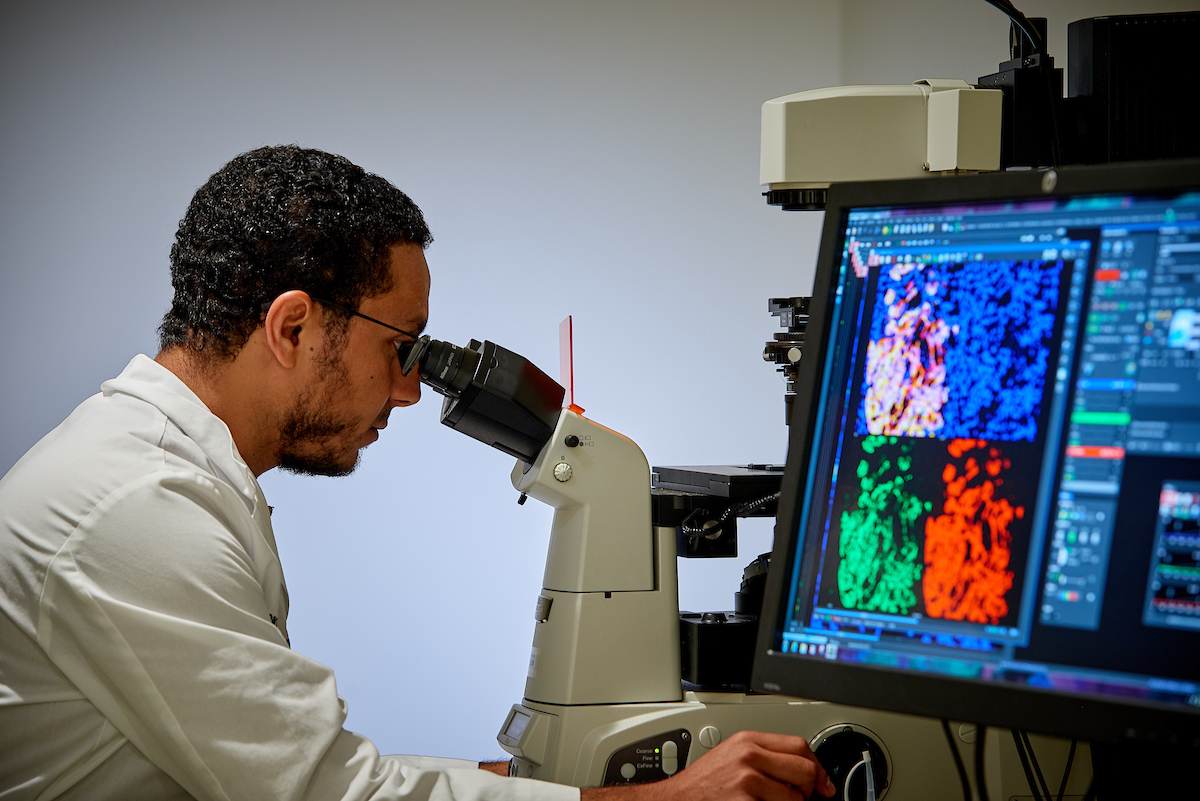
492,394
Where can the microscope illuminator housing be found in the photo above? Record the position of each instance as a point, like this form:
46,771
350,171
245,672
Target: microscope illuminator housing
822,136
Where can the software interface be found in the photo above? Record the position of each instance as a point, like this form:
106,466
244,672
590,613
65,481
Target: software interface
1005,475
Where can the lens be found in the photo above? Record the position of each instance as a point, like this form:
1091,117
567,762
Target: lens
409,353
446,368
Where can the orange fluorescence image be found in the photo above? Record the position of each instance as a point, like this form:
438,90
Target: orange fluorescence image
967,547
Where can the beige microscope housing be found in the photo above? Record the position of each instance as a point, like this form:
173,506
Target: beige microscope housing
868,133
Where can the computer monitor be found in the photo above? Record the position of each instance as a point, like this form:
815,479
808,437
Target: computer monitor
991,506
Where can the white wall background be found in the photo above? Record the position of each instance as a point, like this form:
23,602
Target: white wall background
598,159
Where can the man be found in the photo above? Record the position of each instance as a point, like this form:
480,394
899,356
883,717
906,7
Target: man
143,638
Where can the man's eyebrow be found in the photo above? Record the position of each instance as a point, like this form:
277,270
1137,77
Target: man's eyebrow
412,330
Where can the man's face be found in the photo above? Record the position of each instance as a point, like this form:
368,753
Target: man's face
357,379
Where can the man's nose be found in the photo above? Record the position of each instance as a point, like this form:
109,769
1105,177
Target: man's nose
406,389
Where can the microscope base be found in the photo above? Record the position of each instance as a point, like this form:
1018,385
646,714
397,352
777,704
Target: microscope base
591,746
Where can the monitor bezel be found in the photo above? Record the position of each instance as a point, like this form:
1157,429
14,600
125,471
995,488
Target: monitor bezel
978,701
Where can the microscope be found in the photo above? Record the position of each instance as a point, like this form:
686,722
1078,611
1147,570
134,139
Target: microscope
622,689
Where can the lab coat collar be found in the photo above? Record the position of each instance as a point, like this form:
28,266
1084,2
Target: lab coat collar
147,380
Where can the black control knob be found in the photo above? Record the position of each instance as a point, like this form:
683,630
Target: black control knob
841,753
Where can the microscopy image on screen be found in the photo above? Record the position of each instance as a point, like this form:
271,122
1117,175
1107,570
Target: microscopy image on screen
968,545
879,546
930,528
959,349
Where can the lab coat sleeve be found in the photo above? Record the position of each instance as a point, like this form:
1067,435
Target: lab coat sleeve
155,609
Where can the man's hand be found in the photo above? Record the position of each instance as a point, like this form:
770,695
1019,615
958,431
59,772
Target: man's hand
749,766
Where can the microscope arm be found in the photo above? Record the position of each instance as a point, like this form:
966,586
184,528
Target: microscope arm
608,615
607,623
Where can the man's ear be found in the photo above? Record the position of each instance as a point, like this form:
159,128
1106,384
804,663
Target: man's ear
290,326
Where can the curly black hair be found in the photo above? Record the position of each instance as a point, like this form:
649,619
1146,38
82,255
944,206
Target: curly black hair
274,219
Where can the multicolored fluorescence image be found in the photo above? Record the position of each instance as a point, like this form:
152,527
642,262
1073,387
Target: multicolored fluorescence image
909,543
959,349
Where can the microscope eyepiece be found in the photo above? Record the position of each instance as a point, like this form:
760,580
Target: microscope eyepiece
492,394
446,368
410,353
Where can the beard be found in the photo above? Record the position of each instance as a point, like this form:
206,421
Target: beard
309,446
313,440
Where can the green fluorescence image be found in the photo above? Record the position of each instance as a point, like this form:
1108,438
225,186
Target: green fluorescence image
879,544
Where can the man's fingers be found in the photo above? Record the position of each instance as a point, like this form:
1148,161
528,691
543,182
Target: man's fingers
800,772
750,766
789,759
824,785
787,743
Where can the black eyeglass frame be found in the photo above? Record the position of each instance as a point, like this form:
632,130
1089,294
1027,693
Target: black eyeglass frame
333,305
407,352
404,350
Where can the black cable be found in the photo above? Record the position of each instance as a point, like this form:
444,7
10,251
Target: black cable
1037,769
980,782
958,763
1022,22
1039,49
736,510
748,506
1062,788
1033,788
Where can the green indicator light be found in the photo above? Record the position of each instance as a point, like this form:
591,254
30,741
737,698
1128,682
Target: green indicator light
1178,570
1101,417
656,750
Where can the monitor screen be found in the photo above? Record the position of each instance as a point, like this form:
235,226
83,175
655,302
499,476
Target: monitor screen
991,508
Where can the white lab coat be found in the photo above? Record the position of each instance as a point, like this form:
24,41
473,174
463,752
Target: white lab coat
143,626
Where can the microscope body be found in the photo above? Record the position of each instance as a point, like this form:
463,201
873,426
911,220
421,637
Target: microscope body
607,629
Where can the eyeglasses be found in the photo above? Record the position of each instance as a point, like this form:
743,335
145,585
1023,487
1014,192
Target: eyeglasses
404,350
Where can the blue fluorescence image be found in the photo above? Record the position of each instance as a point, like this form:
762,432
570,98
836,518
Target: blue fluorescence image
959,349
